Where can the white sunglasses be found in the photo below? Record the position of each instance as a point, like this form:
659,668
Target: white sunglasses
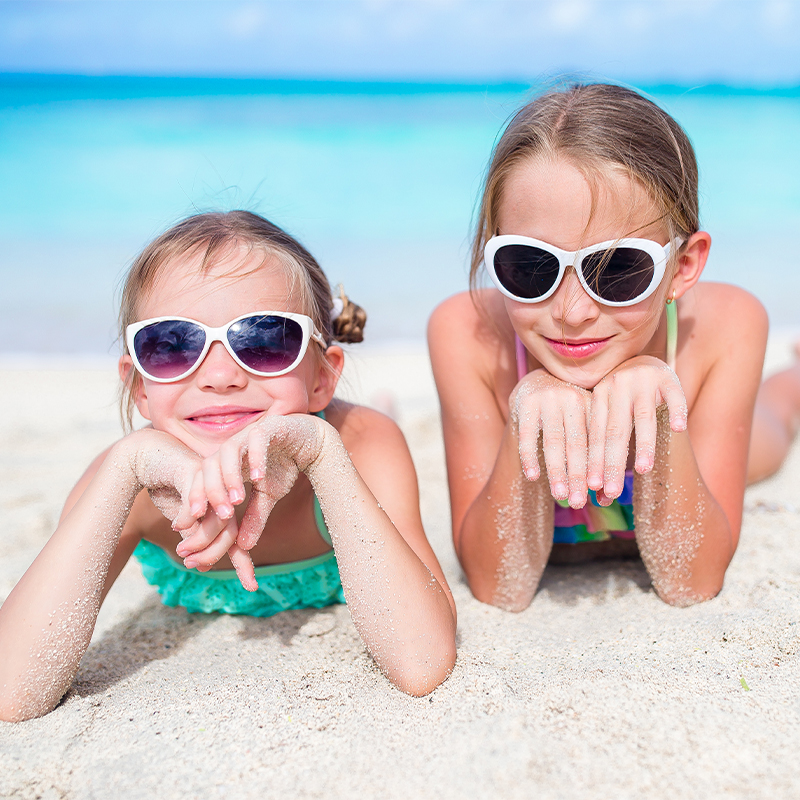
266,343
615,273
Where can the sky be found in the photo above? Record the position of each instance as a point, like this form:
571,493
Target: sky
736,42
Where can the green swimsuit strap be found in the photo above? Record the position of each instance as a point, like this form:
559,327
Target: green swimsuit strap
672,333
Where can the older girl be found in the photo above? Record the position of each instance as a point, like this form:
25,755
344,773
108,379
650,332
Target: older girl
598,328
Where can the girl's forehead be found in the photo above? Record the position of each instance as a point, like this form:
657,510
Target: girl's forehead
235,280
552,200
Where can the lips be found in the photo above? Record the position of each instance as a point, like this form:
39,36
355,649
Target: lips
577,348
224,419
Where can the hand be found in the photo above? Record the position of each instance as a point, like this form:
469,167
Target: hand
167,469
560,411
270,454
172,475
624,401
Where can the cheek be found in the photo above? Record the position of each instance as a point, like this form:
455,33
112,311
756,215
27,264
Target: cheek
288,395
156,402
524,316
638,323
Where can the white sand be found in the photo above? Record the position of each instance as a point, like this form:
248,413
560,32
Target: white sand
597,690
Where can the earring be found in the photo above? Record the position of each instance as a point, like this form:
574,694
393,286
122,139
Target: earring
671,299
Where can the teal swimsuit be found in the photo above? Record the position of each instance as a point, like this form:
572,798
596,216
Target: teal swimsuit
310,583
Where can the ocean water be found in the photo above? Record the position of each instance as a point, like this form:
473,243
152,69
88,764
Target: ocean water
379,181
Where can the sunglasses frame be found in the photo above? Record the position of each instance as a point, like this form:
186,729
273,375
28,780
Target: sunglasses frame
658,252
309,329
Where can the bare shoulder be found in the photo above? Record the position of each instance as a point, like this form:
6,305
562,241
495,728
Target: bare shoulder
471,343
729,303
477,319
724,317
363,429
721,339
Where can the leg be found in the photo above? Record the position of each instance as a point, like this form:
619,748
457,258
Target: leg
775,422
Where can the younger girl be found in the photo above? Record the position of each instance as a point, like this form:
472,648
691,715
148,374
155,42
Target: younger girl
229,328
597,328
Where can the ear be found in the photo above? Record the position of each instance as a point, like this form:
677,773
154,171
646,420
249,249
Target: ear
138,390
691,262
328,369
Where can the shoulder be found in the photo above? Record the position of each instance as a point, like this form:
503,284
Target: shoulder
722,339
471,342
364,429
480,315
722,316
723,303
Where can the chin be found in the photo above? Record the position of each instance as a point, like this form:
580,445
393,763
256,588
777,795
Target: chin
585,378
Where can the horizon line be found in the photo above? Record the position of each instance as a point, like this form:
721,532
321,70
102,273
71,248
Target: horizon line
389,85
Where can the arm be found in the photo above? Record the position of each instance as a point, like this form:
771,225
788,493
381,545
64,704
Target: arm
46,622
396,593
688,498
502,503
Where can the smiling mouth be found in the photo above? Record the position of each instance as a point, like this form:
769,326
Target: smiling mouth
224,419
577,348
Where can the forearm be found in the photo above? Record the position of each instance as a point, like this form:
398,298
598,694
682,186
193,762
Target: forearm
683,534
507,534
400,610
46,622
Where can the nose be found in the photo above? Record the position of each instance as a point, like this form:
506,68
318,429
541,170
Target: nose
219,372
571,306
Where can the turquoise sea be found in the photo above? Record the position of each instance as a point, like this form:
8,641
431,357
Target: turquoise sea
378,180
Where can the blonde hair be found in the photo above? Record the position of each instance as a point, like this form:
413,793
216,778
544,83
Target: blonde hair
213,235
596,127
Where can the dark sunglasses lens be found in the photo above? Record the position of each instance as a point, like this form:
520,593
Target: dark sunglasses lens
524,271
266,344
169,348
619,275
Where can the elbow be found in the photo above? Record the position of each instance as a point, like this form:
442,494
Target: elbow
421,678
513,598
685,596
21,710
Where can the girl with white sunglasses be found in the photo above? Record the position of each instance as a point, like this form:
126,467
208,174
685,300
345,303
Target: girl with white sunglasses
599,400
253,490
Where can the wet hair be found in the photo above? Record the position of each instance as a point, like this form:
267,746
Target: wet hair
597,128
215,235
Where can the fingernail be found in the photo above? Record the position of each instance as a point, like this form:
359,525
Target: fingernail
236,496
196,509
225,511
256,474
182,550
530,474
190,563
559,491
612,490
577,500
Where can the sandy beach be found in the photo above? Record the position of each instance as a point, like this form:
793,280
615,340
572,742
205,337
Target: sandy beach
597,690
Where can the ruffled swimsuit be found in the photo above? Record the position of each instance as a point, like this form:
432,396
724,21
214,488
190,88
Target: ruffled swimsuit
310,583
593,522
